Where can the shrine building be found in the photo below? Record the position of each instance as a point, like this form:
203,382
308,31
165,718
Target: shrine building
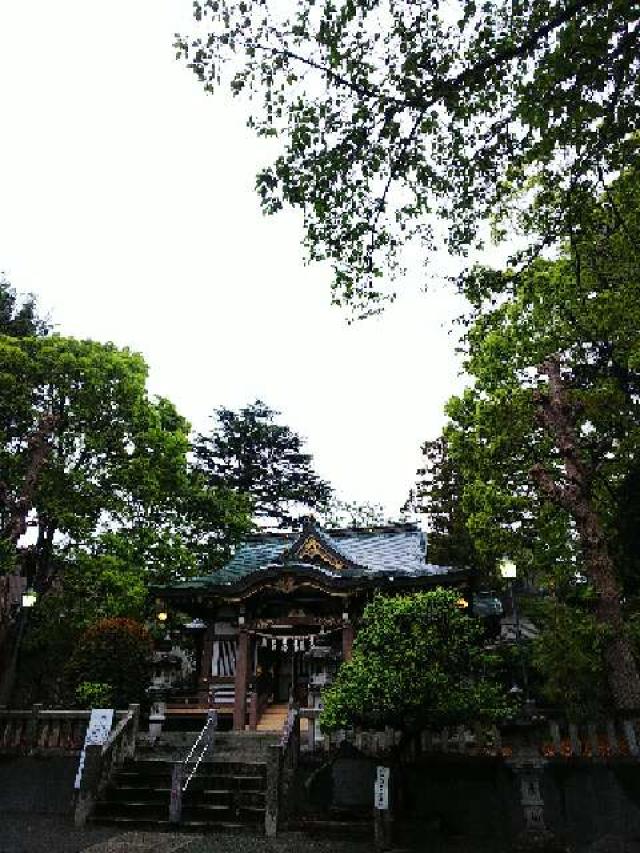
278,619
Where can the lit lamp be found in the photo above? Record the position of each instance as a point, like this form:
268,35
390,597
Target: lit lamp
509,572
162,616
508,569
29,598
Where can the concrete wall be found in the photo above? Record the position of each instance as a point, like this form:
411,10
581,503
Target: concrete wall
585,802
37,785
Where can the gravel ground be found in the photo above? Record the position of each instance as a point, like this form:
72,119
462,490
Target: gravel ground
50,834
289,842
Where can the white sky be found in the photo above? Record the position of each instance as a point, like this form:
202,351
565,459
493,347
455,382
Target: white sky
127,207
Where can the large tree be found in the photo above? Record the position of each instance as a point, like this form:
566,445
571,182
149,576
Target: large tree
249,452
439,496
389,111
547,435
96,491
84,450
19,318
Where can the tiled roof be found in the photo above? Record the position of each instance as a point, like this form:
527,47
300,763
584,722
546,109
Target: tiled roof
398,549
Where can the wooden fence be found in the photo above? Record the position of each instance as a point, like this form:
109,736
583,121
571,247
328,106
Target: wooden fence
37,730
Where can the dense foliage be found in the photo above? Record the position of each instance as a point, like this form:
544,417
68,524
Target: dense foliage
19,318
249,452
546,436
568,658
98,499
439,496
339,513
418,660
84,450
114,656
389,111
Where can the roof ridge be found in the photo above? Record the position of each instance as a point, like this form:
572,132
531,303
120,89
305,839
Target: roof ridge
330,532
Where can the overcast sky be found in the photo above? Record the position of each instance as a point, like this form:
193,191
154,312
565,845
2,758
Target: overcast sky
127,207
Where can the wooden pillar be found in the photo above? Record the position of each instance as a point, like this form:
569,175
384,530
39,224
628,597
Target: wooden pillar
347,640
242,677
204,678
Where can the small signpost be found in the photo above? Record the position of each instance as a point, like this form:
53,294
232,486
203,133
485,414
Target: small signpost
382,817
381,788
97,733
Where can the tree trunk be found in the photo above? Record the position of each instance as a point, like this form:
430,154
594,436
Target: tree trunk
39,448
574,495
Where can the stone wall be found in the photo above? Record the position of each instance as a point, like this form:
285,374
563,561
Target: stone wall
479,799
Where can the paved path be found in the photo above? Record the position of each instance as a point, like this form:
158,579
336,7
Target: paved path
42,833
20,833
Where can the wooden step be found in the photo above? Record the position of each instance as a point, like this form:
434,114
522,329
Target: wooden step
273,718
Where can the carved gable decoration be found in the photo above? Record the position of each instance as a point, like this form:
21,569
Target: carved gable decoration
312,549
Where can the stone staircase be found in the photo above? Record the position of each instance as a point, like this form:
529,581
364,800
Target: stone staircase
227,793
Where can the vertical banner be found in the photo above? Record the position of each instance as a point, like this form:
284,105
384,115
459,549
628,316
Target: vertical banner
97,732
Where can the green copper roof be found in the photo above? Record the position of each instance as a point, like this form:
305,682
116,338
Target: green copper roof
392,550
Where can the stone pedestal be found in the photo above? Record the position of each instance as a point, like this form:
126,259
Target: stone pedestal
158,712
528,768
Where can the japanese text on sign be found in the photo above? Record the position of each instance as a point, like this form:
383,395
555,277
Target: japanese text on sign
381,788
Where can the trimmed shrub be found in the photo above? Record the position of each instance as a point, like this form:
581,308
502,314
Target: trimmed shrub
114,654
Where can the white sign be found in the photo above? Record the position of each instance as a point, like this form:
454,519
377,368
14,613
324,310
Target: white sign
381,788
97,732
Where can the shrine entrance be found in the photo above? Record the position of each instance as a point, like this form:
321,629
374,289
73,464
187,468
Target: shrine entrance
287,668
278,619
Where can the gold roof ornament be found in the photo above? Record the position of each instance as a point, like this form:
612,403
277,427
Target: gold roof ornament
312,548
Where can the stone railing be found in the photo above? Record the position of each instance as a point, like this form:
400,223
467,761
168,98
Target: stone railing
549,739
282,763
102,760
39,731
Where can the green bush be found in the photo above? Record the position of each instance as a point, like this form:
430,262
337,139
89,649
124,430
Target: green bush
94,694
418,660
115,652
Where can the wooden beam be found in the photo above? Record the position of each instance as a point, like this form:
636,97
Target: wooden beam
204,677
347,640
242,677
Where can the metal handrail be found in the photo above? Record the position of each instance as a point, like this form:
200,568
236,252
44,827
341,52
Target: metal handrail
207,733
200,747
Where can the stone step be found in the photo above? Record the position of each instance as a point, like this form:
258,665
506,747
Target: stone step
164,767
202,792
349,829
187,738
190,825
211,812
222,795
227,746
